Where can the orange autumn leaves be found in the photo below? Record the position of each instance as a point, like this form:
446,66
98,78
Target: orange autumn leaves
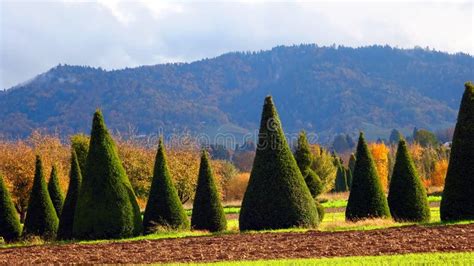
431,163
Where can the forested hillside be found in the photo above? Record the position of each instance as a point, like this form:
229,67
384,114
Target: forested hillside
321,89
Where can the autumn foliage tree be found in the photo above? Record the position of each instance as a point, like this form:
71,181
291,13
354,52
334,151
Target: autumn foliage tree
379,153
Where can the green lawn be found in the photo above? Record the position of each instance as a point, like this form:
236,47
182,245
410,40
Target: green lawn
457,258
341,203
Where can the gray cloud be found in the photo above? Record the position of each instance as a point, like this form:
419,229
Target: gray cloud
36,36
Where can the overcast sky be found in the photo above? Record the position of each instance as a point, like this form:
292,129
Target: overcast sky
37,35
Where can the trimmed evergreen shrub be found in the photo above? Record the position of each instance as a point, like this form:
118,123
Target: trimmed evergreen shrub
106,206
66,219
276,195
10,228
320,210
55,191
80,144
341,179
457,202
41,218
304,159
163,207
208,213
350,170
407,198
348,178
366,199
314,183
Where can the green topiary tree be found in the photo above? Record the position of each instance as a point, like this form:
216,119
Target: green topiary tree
10,228
208,213
41,218
350,170
80,144
407,196
304,159
366,199
67,215
341,179
55,191
163,207
276,195
106,206
458,196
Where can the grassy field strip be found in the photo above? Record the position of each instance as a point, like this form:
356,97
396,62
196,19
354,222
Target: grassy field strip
333,222
455,258
339,203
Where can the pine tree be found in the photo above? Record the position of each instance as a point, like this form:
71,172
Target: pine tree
366,199
407,197
55,191
67,215
10,228
163,207
458,196
41,218
106,206
208,213
304,159
276,195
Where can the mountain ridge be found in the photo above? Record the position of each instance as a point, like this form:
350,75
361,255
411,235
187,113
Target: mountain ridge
320,89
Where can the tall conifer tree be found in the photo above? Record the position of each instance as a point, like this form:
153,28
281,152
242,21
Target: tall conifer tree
276,195
163,207
366,199
106,206
458,196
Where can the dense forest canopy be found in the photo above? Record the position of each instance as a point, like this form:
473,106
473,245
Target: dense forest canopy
327,90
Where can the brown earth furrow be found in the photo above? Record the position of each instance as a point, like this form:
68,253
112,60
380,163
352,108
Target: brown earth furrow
311,244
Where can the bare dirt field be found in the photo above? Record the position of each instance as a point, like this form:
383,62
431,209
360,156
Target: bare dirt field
254,246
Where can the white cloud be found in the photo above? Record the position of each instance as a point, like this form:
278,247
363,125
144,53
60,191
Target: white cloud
35,36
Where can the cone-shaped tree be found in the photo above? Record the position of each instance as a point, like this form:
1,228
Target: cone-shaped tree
55,191
352,161
41,218
66,219
341,178
10,228
208,213
457,202
407,197
80,144
276,195
163,207
106,206
366,199
304,159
